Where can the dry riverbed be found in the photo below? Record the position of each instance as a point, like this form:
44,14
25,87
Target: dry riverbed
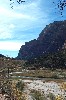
45,88
37,85
56,89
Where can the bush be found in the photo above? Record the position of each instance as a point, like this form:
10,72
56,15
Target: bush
20,85
36,95
51,96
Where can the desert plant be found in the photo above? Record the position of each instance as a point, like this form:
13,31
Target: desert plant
51,96
20,85
36,95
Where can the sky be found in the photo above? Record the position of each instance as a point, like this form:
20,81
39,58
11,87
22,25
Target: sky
24,22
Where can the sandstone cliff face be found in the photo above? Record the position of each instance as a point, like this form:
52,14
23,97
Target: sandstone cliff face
50,40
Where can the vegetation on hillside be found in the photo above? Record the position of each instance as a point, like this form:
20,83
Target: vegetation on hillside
52,61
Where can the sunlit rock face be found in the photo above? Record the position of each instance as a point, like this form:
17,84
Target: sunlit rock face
50,40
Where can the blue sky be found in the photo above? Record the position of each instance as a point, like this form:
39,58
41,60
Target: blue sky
24,22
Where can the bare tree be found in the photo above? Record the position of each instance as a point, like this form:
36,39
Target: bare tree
18,1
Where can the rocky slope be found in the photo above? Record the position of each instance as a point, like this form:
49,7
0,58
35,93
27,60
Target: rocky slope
50,40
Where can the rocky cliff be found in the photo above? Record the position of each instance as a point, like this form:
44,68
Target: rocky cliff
50,40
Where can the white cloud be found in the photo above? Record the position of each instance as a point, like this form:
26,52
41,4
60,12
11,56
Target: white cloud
21,18
11,46
12,26
5,35
6,31
11,14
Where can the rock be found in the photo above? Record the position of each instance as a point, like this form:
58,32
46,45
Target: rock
50,40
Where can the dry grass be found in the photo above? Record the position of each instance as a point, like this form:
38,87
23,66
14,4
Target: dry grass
36,95
63,85
56,74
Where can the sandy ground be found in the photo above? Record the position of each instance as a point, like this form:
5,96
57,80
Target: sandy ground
44,87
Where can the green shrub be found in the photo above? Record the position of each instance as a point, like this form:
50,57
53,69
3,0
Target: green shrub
20,85
51,96
36,95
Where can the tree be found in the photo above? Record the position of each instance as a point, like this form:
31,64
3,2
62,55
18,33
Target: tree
61,4
18,1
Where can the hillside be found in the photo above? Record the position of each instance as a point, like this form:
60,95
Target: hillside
50,40
2,55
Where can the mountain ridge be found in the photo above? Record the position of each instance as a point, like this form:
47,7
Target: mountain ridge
50,40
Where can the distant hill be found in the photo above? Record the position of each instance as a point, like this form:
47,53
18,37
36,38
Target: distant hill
50,40
2,55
